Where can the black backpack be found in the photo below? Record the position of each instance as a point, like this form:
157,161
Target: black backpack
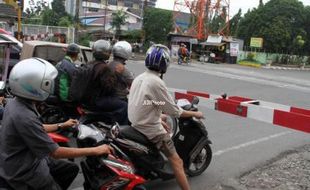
80,81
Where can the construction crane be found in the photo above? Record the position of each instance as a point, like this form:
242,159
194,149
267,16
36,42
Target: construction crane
203,15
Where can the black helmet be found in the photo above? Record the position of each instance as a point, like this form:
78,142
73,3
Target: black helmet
73,49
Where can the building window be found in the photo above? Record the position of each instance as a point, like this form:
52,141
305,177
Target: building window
112,2
128,4
93,10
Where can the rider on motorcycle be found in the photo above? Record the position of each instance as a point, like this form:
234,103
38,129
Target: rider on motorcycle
183,54
102,91
28,157
148,99
66,68
121,53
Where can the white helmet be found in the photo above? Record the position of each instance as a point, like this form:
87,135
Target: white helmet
122,49
33,79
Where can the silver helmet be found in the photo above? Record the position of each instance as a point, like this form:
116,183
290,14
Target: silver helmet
33,79
102,50
122,49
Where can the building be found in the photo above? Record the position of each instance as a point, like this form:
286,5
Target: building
87,6
8,14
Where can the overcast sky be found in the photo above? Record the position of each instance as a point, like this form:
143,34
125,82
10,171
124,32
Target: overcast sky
235,5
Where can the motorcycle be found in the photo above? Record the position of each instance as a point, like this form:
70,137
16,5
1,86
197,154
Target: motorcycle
136,160
184,59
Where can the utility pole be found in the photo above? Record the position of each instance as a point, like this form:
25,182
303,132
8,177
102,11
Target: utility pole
105,18
19,19
77,21
144,6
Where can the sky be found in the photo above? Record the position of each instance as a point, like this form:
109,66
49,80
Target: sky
234,5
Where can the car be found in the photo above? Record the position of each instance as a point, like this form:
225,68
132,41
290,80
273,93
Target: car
52,51
5,52
15,49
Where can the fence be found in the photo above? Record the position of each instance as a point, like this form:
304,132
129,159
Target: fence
42,32
273,58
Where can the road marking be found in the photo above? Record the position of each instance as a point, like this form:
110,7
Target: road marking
220,152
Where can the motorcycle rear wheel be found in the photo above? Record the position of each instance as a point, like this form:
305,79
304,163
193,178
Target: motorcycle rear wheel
201,162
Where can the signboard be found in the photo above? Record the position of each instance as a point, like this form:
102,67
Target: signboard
256,42
174,51
214,39
234,49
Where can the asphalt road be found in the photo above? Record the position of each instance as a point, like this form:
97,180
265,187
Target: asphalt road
239,144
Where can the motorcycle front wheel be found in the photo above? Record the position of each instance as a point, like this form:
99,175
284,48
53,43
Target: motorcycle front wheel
201,162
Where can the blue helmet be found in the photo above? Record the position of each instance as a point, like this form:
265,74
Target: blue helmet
157,58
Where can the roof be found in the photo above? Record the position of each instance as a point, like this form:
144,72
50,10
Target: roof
211,44
137,12
7,11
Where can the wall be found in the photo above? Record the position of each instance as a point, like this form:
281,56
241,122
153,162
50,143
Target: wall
265,58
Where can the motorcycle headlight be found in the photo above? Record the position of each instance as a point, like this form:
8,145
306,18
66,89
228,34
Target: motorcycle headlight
118,164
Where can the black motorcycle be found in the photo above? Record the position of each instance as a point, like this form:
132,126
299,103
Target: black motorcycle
191,142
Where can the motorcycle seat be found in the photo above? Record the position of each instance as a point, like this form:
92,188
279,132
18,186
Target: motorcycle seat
131,133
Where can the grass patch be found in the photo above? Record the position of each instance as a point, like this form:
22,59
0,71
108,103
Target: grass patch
250,63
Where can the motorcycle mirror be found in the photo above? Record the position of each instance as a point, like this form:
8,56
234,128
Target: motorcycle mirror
2,88
115,130
195,100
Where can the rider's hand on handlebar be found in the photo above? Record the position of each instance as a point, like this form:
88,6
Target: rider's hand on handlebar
104,149
199,115
70,123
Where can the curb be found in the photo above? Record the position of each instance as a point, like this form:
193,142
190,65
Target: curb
285,68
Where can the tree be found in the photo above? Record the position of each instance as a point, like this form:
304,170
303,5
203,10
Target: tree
157,23
34,11
65,21
234,23
39,13
278,22
118,19
49,18
59,8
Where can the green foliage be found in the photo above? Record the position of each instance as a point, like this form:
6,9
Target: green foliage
39,13
65,21
34,11
59,8
84,39
157,23
49,18
278,22
234,23
216,23
118,19
251,56
133,35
